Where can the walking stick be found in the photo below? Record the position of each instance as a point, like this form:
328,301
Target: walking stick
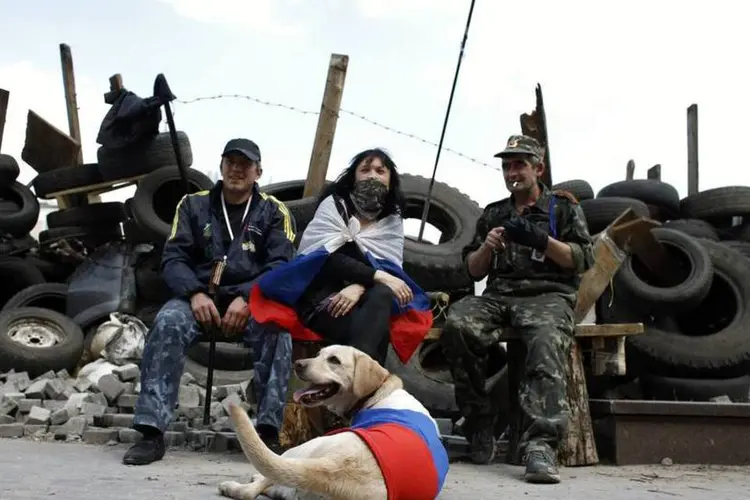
213,285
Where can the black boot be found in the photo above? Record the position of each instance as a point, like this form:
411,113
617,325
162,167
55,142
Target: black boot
481,442
149,449
270,437
541,466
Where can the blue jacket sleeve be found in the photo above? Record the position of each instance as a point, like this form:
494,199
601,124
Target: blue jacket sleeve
279,249
177,264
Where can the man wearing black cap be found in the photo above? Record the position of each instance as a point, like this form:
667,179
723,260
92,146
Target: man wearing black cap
532,247
251,233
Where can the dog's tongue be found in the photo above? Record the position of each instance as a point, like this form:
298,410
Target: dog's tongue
303,392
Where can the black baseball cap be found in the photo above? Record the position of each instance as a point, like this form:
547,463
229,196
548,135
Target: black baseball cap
245,147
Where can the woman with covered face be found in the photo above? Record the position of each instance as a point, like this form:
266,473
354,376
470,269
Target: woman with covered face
348,285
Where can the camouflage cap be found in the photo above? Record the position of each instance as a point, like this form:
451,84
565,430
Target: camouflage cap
522,144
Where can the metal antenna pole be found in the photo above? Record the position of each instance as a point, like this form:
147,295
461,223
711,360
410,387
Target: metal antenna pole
445,124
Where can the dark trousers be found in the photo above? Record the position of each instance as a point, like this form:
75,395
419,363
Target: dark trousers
366,327
545,324
173,331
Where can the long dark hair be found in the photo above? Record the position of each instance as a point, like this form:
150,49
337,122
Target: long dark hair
394,200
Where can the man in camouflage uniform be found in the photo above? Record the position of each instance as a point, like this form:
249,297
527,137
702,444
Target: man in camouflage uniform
533,245
251,233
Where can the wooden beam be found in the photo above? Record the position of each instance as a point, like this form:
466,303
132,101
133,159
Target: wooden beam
71,101
630,171
654,172
4,98
327,120
47,147
535,125
115,86
692,140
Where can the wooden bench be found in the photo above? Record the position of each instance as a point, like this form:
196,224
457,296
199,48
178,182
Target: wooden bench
606,343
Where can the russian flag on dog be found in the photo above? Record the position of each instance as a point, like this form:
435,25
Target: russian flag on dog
274,295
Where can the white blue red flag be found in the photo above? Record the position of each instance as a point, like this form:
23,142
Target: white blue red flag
274,295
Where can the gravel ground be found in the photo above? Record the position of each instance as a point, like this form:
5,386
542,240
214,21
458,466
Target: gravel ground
75,471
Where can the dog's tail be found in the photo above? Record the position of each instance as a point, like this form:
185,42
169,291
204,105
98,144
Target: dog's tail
310,474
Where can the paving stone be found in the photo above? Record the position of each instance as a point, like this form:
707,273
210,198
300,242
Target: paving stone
59,417
127,401
38,415
232,398
94,435
75,402
188,396
75,425
36,389
110,410
186,379
110,386
20,380
98,398
177,426
53,405
90,409
129,436
62,374
223,424
83,384
223,391
24,406
129,387
8,405
191,412
34,430
127,373
11,430
172,438
45,376
114,420
6,419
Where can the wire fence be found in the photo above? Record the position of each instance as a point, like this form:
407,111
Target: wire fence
359,116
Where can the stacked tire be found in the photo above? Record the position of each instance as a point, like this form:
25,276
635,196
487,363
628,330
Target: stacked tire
696,344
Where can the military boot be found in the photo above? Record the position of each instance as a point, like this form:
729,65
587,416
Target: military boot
149,449
541,466
480,434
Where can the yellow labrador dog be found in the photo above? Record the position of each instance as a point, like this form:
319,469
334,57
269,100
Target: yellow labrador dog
392,450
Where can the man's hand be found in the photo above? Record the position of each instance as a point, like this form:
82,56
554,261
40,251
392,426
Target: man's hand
235,319
399,288
525,233
204,310
343,302
496,238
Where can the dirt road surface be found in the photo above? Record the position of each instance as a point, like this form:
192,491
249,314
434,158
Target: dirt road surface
75,471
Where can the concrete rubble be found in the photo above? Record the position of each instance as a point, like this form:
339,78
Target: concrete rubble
56,406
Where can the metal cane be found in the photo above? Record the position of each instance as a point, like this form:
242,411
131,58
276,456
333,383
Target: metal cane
213,285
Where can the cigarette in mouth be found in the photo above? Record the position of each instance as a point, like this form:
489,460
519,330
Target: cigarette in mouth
515,184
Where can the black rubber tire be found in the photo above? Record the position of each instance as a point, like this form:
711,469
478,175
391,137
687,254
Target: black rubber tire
17,246
96,214
742,247
16,274
221,377
65,178
148,281
690,389
694,227
649,191
9,170
52,296
37,360
53,272
648,297
164,185
20,223
579,188
290,193
434,389
229,356
601,212
439,267
144,158
91,236
712,339
716,203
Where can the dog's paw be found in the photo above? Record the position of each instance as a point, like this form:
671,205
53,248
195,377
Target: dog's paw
230,489
256,477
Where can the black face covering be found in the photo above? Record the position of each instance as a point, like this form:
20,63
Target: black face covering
368,197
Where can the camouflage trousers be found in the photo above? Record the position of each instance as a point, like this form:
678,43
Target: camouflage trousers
173,331
545,325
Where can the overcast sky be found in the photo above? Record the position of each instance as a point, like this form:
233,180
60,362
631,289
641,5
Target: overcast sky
617,79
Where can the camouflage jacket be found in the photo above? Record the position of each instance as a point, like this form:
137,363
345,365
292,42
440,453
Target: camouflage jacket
514,271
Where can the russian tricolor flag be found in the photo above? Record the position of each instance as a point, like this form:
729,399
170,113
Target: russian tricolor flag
274,295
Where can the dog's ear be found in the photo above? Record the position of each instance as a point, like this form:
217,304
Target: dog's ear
368,376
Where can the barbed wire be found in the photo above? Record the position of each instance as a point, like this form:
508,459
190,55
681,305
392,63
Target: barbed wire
359,116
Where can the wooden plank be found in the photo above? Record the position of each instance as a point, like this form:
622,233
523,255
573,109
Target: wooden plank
4,98
115,86
654,172
581,331
327,120
97,189
692,140
630,170
535,125
47,147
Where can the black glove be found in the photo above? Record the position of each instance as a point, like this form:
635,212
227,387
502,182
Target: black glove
524,233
